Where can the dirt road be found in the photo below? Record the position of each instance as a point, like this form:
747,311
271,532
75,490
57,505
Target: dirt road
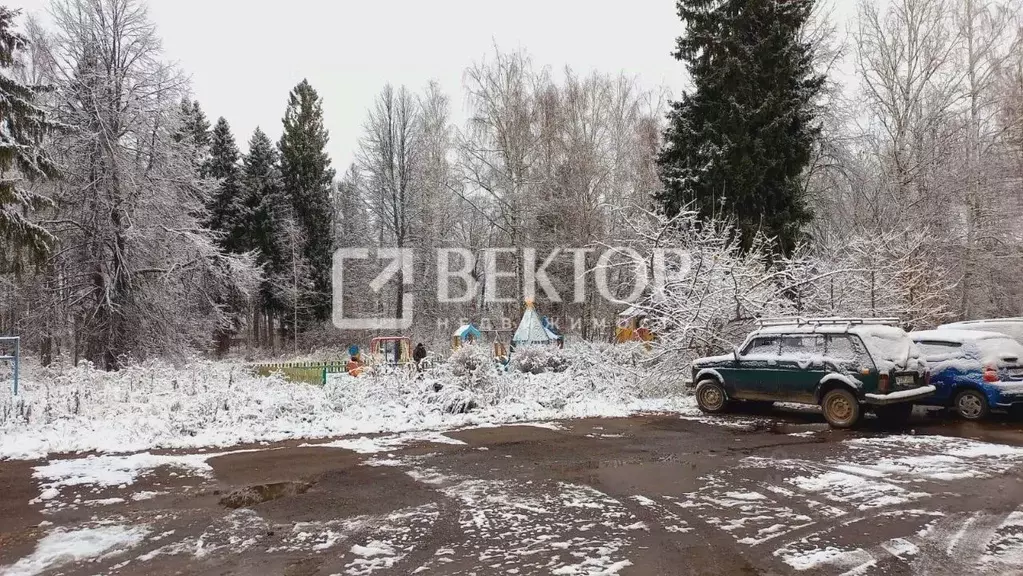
652,495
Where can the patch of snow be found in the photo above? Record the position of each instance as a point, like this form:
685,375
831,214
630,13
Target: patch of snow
547,425
373,548
738,423
643,500
62,547
936,457
863,492
367,445
382,462
145,495
429,476
804,555
110,471
749,496
48,494
901,548
807,559
104,502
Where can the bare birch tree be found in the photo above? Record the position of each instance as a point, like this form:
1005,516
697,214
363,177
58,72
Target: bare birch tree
390,154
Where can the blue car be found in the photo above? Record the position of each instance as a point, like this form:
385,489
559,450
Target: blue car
973,372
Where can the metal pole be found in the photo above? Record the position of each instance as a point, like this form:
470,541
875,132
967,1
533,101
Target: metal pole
14,358
17,362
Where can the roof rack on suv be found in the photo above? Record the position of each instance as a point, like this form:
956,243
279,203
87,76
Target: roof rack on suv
800,321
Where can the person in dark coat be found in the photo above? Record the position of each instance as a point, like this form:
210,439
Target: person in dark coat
419,354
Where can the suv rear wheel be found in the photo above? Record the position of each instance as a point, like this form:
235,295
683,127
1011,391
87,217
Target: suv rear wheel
711,397
841,409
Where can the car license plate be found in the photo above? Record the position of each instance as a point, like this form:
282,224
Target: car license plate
906,380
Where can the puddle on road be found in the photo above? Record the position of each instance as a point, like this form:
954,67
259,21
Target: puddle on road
789,428
668,475
252,495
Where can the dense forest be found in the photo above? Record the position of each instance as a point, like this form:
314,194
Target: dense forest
135,226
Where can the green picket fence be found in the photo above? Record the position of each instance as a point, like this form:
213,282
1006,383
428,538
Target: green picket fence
308,372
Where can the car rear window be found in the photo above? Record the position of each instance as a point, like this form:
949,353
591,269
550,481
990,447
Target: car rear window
936,349
891,348
846,350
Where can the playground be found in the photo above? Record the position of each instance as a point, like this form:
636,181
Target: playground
397,354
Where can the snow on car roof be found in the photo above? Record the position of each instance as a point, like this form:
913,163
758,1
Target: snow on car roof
954,335
983,321
862,329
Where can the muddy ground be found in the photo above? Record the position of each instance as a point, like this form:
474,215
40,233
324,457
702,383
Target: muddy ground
768,493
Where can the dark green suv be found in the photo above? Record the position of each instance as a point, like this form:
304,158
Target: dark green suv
845,365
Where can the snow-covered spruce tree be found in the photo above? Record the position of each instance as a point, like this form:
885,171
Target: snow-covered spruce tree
23,124
736,146
142,276
194,128
225,207
227,219
267,209
308,179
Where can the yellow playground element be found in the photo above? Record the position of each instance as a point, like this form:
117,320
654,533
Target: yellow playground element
632,327
501,352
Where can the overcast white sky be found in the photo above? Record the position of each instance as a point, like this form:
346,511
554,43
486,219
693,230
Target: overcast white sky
245,55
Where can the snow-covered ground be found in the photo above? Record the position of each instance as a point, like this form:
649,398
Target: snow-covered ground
219,404
61,547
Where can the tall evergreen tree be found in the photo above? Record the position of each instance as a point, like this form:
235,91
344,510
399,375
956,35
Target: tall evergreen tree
23,124
307,179
226,208
267,209
736,146
195,129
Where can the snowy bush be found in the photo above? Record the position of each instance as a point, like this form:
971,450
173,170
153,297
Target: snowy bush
709,299
539,359
474,367
210,404
453,399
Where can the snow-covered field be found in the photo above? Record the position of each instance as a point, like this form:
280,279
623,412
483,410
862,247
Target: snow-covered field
219,404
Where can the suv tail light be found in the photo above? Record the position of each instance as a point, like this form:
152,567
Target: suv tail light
882,383
990,374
